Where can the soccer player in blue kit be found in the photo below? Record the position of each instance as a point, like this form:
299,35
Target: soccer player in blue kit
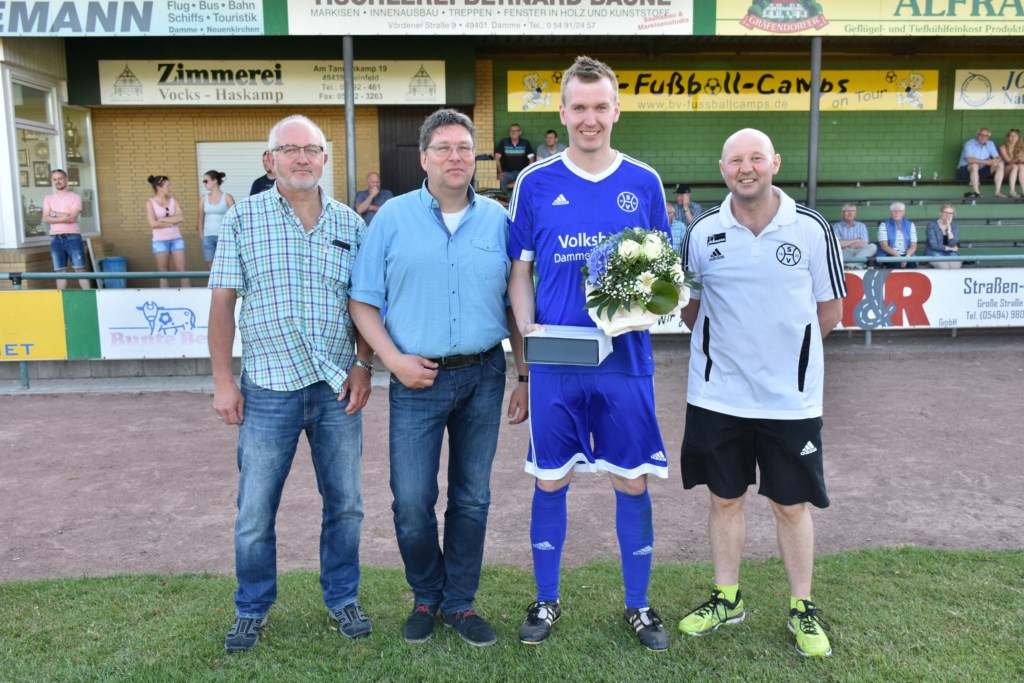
561,208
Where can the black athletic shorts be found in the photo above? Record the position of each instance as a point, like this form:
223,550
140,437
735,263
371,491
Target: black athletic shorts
724,452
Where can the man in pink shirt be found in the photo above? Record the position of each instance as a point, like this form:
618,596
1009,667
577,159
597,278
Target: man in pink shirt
61,210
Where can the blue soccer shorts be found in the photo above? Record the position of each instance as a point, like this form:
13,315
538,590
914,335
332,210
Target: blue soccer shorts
594,422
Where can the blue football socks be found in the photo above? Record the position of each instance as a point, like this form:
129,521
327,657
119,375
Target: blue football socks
634,523
548,520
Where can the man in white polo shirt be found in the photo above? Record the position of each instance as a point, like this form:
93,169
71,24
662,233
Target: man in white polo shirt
772,273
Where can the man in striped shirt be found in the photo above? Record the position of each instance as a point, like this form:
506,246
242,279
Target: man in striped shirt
288,253
773,283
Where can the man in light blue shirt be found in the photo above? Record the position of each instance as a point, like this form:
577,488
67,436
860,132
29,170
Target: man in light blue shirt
979,161
436,258
853,237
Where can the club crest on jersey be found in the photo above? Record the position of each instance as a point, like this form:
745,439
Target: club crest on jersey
628,202
788,254
717,238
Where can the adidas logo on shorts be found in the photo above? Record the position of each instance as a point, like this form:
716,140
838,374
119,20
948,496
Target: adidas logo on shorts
659,456
543,545
808,449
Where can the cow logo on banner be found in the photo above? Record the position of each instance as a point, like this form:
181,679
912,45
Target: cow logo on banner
785,16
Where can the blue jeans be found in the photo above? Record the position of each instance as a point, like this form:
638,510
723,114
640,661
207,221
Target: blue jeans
65,246
267,439
466,402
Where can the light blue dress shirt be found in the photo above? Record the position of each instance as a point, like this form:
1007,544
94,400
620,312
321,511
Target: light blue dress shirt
446,293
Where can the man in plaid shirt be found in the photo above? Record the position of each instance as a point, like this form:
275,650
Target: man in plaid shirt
288,252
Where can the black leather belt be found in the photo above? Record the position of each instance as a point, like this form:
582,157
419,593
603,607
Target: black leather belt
465,361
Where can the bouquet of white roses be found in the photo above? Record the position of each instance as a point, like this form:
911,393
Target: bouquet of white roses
632,278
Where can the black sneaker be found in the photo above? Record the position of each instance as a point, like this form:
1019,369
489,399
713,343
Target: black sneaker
650,630
540,616
352,621
243,634
420,624
471,627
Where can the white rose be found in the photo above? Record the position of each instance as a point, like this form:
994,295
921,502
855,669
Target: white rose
652,247
677,274
629,250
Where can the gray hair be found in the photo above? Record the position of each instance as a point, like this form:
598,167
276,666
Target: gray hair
897,205
849,206
272,138
441,119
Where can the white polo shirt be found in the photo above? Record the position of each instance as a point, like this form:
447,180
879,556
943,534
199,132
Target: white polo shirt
756,347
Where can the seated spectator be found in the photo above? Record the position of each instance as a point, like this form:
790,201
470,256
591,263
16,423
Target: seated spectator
677,226
897,236
686,210
550,147
979,161
853,237
369,201
944,239
1012,153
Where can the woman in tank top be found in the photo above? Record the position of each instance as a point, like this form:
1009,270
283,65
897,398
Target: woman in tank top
165,215
212,208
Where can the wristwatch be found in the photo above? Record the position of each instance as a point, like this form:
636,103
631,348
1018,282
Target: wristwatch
53,214
365,366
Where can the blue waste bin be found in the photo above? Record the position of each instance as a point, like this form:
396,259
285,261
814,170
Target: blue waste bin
114,264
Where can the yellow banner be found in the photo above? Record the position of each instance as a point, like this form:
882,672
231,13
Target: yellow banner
741,90
870,17
32,326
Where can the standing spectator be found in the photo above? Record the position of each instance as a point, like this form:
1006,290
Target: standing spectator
550,147
61,210
164,214
289,252
369,201
773,289
686,209
212,207
944,239
266,181
853,237
897,236
559,211
979,161
1012,154
511,156
436,258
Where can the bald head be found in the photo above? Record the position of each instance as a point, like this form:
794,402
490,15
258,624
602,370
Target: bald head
748,136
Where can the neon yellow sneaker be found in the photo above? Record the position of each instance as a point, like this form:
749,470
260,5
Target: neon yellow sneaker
712,614
806,623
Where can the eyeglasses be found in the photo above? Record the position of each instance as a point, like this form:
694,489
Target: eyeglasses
292,151
168,210
949,213
445,151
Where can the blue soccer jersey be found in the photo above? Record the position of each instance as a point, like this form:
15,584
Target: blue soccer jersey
559,213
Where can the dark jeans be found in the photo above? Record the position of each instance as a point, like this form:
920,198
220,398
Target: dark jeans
466,402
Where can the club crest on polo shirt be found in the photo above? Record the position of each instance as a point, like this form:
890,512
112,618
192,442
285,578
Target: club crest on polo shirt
788,254
717,238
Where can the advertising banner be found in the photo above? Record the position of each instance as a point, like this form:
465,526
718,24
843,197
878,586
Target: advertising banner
77,18
155,323
869,17
742,90
32,326
196,82
490,17
989,89
923,298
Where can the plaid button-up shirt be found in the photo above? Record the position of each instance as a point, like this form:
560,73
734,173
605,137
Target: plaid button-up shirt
294,287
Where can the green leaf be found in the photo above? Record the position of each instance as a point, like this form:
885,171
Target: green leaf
664,298
596,298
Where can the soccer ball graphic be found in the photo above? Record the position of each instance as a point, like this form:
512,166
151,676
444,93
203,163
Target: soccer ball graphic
890,76
713,87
